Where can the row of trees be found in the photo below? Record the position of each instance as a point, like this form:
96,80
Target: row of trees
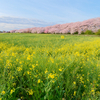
4,31
89,32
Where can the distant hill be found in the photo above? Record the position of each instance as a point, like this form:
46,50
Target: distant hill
91,24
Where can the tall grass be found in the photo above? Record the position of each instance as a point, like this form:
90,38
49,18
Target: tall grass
49,67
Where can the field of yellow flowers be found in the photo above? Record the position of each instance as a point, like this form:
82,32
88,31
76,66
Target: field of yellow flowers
49,67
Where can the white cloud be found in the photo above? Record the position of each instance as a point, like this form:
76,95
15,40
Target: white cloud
8,27
10,23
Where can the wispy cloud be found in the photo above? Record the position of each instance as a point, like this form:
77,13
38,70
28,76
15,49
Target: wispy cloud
8,27
47,11
10,23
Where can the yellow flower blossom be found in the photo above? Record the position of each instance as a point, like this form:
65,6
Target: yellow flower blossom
33,52
14,84
39,80
13,54
36,64
74,82
3,92
12,77
53,81
46,71
28,72
12,90
92,90
29,57
60,69
30,92
62,37
33,66
74,93
51,75
19,68
52,60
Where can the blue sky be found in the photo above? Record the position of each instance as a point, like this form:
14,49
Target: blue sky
17,14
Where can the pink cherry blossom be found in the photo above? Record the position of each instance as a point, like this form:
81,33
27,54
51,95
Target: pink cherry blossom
90,24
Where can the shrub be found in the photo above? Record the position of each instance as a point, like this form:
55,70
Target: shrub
68,33
88,32
98,32
75,32
82,32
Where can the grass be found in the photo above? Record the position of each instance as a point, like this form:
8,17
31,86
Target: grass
49,67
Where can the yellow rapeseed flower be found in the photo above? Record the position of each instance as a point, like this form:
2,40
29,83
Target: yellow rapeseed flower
12,77
13,54
33,66
3,92
14,84
60,69
12,90
53,81
28,58
36,64
33,52
92,90
74,93
28,72
30,68
46,71
62,37
19,68
52,60
39,80
30,92
51,75
74,82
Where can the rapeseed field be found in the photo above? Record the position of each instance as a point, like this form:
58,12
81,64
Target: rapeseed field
49,67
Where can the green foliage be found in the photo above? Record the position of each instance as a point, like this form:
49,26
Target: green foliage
49,67
82,32
68,33
98,32
89,32
76,33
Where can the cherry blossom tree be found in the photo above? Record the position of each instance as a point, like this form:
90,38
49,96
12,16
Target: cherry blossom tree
91,24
